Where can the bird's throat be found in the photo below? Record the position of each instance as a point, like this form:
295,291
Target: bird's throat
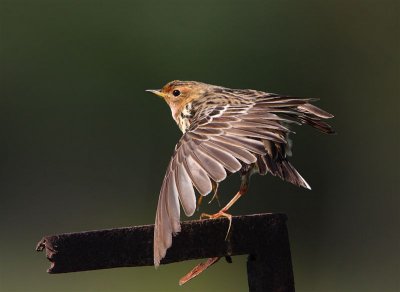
184,117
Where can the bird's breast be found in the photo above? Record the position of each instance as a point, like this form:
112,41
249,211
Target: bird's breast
185,117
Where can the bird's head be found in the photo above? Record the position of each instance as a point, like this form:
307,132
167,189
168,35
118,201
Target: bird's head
179,93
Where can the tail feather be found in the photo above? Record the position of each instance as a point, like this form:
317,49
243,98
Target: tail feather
312,115
283,169
317,124
297,111
314,110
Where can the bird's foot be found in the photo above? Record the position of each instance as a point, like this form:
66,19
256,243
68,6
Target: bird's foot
197,270
219,215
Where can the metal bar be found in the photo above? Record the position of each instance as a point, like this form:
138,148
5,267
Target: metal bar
263,236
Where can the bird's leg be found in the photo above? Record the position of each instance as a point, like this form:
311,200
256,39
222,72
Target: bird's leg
222,213
197,270
243,189
215,186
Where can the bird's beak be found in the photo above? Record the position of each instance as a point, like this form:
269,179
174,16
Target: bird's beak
156,92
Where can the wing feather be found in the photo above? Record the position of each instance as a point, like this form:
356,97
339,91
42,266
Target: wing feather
172,206
185,190
252,145
226,159
198,176
213,168
163,228
258,133
240,153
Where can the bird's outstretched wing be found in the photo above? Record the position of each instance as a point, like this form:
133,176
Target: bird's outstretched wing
220,139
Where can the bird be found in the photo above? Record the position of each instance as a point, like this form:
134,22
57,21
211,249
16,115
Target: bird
226,131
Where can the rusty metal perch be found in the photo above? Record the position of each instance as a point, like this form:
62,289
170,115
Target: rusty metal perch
263,237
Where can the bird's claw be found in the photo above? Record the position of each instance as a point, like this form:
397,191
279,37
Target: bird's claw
215,197
219,215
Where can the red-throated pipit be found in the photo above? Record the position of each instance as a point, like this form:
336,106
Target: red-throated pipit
225,131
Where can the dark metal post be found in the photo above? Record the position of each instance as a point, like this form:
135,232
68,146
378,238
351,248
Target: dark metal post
263,237
272,270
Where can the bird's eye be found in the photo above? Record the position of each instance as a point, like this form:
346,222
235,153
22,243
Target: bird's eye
176,92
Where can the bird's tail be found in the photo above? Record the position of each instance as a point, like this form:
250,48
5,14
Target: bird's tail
281,168
311,115
275,161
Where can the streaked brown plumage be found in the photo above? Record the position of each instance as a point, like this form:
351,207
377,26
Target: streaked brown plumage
225,131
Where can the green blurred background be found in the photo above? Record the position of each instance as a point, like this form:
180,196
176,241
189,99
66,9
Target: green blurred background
84,147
